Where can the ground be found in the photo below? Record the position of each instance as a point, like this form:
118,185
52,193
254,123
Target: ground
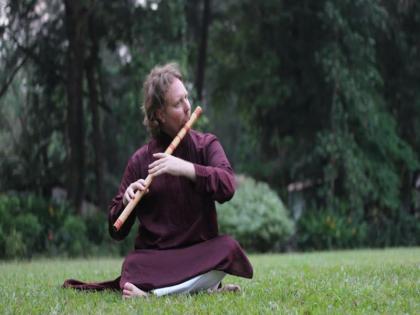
340,282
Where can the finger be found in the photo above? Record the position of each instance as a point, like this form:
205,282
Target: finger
155,169
153,164
130,193
152,169
160,155
125,199
132,190
145,187
159,171
140,187
136,186
142,181
157,162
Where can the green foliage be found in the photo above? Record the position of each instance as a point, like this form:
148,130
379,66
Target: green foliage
362,144
341,228
320,104
14,244
392,228
28,224
72,237
326,229
96,227
256,217
324,90
31,226
265,75
13,233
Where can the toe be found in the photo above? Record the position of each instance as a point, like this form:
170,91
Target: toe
128,286
230,288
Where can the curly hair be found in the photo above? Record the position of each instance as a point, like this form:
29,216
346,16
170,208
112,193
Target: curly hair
154,89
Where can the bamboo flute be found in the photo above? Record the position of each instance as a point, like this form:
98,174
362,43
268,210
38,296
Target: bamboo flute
169,150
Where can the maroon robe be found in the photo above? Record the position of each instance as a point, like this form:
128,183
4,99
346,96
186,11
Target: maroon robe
178,233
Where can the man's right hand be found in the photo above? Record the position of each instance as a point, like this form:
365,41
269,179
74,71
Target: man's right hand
132,189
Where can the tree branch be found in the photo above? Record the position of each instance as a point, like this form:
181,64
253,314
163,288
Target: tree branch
10,79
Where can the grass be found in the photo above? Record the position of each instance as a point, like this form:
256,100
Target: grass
340,282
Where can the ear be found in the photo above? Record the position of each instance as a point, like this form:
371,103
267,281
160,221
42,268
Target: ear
160,115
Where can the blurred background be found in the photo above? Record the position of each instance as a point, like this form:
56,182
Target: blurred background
317,105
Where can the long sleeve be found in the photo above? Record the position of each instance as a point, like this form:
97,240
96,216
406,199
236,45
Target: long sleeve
216,176
131,174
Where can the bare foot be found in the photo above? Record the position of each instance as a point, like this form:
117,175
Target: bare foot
130,291
226,288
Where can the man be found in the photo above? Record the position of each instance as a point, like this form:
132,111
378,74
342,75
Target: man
177,249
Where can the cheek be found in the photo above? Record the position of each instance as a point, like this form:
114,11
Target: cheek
181,113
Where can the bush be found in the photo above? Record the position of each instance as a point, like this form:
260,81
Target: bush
256,217
33,220
71,237
97,228
29,227
328,229
32,225
19,230
393,228
340,227
15,246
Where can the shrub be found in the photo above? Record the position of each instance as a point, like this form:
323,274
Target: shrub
15,246
71,237
12,243
393,228
342,227
30,229
256,217
32,225
97,233
33,219
97,228
328,229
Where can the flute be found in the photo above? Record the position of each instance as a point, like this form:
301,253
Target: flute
169,150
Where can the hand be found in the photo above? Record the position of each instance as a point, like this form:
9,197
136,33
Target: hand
130,192
168,164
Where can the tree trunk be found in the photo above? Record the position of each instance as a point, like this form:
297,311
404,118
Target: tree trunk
91,75
202,52
76,24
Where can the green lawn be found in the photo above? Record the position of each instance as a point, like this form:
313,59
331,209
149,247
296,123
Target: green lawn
344,282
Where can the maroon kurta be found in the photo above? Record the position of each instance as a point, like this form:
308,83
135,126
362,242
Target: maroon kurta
178,233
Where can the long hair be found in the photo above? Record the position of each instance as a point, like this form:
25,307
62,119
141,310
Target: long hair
154,90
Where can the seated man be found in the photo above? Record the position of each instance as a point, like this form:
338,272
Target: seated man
178,248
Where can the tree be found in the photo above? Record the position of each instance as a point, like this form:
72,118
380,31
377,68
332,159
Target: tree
76,26
305,78
54,45
202,51
91,66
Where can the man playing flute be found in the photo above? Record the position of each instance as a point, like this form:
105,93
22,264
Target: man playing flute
178,248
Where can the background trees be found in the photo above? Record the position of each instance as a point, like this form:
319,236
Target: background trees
322,95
